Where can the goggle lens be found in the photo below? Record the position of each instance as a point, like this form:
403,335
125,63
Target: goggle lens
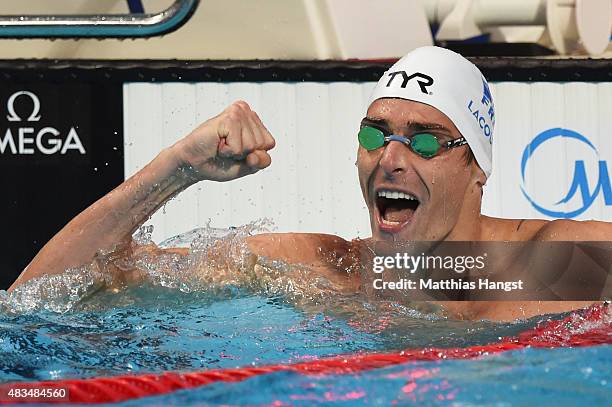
425,144
371,138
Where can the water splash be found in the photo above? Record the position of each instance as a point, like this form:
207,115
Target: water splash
143,235
215,259
57,293
217,263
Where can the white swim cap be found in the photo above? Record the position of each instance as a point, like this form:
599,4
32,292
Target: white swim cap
447,81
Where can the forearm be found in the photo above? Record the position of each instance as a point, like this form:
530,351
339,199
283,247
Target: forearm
230,145
109,223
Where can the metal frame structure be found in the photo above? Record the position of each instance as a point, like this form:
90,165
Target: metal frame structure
131,25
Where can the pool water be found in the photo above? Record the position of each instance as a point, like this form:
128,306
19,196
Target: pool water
64,327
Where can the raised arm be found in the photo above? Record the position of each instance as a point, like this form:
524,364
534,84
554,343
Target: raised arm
231,145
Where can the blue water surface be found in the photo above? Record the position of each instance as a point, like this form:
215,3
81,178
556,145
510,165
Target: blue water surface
158,329
73,326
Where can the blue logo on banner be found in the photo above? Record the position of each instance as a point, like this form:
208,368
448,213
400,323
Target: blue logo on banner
580,181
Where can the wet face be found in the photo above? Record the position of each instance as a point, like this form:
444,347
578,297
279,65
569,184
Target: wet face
410,197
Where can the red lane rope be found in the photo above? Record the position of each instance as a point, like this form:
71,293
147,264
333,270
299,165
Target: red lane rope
584,328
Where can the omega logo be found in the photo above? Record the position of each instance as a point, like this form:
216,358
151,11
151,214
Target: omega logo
28,140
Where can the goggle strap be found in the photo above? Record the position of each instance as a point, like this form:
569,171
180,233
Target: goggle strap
456,143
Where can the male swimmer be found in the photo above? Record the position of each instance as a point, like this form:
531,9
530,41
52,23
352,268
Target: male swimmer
424,156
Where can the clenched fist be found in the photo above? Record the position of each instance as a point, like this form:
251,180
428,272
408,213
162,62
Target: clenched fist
231,145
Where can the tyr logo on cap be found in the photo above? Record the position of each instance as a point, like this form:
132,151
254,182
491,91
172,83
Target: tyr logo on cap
423,80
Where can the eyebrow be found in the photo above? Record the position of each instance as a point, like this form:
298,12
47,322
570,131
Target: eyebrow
412,126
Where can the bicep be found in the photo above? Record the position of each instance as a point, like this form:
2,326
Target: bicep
130,267
302,248
326,256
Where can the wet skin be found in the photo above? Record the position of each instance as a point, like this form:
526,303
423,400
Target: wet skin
235,144
447,189
449,192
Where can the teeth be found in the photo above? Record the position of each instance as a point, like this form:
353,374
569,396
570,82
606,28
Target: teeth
396,195
388,222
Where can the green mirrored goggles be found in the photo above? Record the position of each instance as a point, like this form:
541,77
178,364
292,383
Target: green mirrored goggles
424,144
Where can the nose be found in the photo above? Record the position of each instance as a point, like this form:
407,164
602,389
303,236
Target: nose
395,158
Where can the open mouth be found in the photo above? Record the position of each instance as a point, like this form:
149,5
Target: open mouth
395,208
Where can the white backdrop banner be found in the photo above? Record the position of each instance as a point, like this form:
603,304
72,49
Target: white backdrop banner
550,153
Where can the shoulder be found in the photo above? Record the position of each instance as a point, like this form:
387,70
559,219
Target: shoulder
501,229
306,248
546,230
572,230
